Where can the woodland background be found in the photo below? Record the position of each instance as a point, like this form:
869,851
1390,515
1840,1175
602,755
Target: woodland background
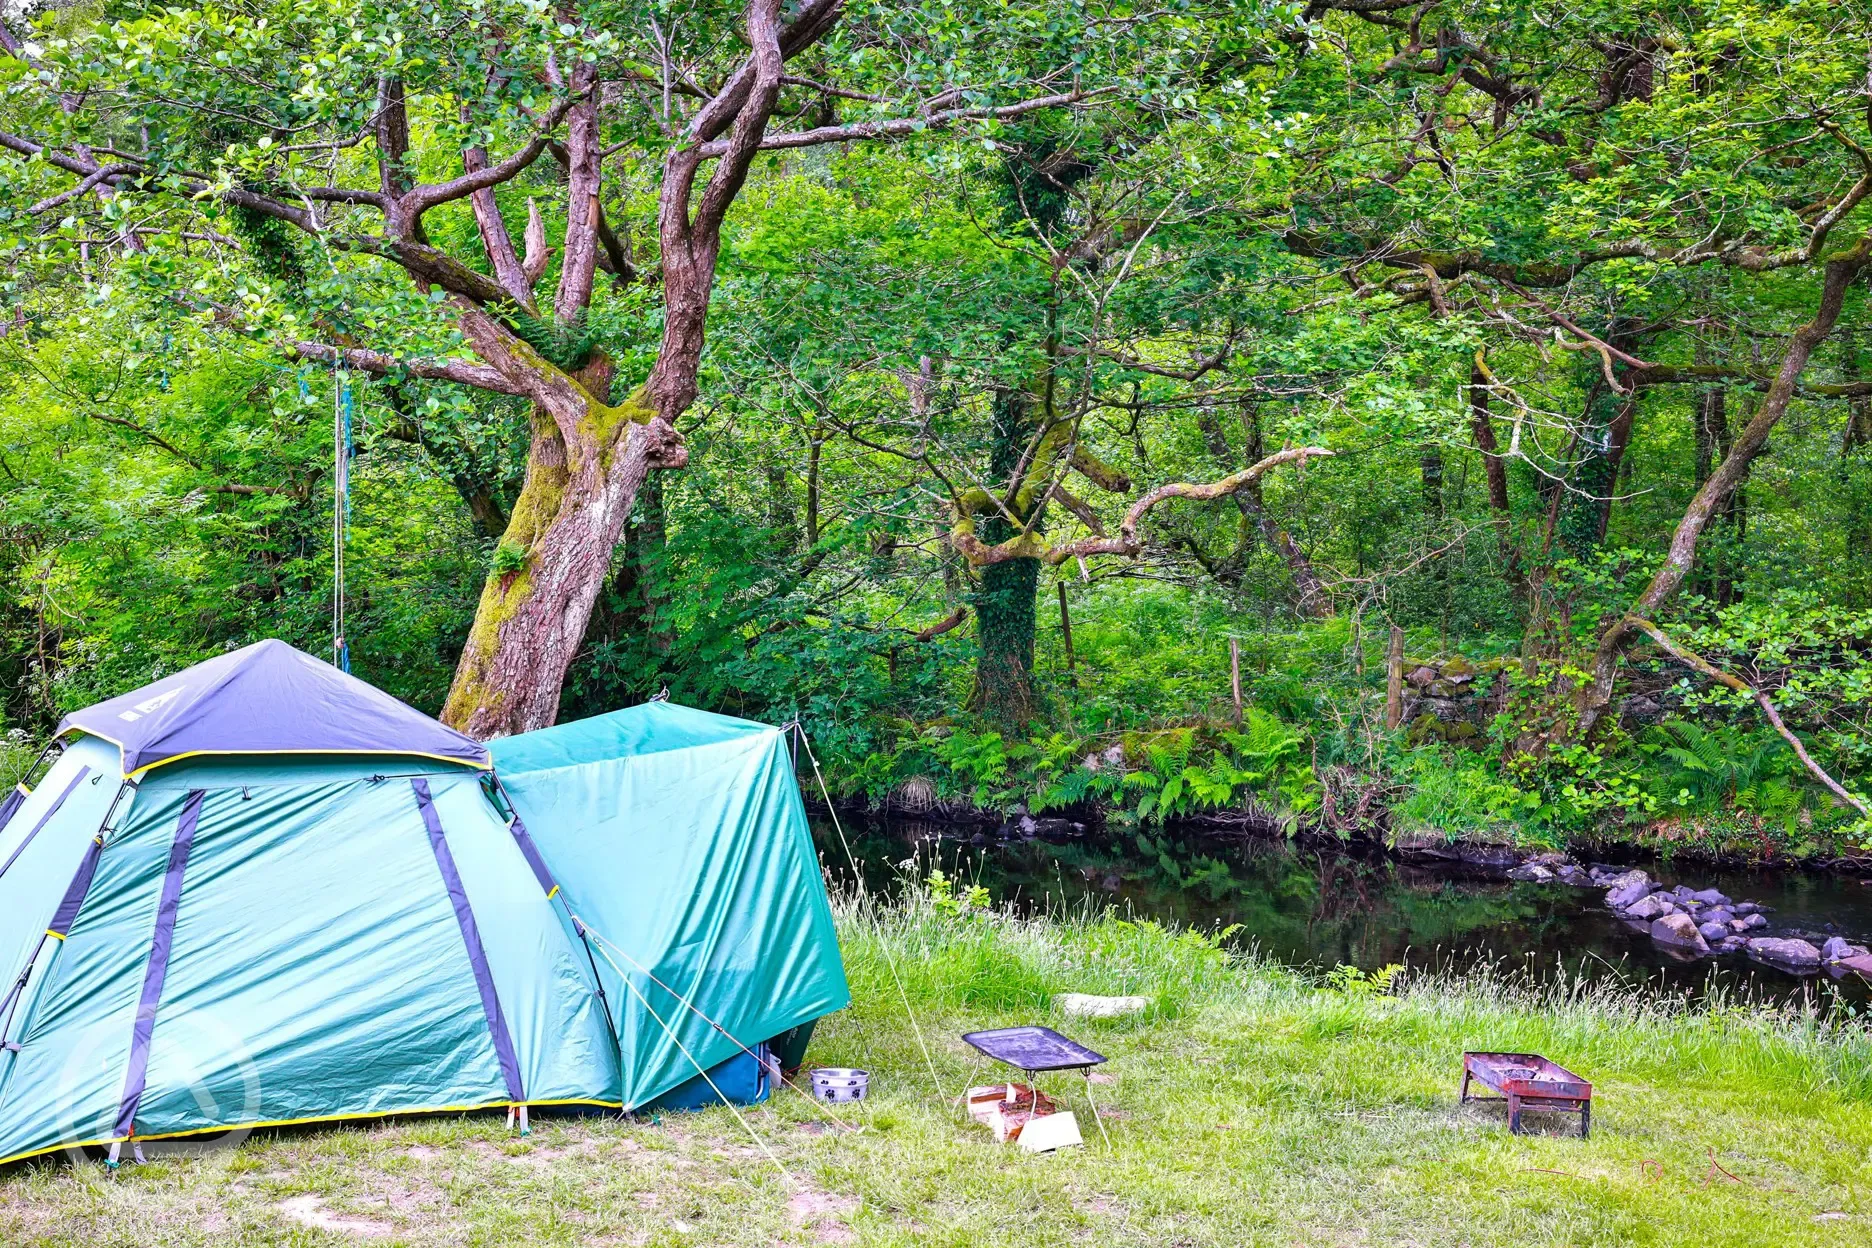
1553,284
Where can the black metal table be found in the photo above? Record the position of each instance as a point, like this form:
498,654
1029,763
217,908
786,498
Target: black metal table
1036,1050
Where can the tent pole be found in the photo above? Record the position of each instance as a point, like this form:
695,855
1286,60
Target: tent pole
544,875
14,995
38,759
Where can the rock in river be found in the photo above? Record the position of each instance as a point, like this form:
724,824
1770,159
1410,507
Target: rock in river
1649,907
1713,932
1677,931
1711,897
1839,949
1786,953
1627,889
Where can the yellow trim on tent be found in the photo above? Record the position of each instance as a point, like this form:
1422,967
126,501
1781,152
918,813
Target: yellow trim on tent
23,790
378,1113
53,1148
146,768
295,1122
55,935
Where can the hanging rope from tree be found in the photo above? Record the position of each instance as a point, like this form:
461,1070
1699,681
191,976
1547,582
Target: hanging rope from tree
342,451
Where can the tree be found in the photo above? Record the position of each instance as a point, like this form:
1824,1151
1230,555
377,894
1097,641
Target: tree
193,126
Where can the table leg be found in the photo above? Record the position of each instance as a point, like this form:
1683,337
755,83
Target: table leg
1095,1114
1514,1114
1585,1120
1462,1097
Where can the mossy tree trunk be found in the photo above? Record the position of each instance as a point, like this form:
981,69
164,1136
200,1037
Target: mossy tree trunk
555,556
1004,600
589,459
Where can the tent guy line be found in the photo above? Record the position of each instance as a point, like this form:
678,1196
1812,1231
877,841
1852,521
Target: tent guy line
902,993
700,1069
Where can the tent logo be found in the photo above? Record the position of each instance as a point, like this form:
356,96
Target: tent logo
149,705
208,1072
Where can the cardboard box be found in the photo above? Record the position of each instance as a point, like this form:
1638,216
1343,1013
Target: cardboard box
1043,1135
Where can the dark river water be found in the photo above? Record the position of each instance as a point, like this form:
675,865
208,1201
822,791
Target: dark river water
1316,907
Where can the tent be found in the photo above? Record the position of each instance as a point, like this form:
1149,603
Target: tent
261,892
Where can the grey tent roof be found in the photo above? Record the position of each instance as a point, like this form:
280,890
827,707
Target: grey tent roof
267,698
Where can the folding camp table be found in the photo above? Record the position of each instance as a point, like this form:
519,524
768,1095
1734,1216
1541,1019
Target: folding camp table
1036,1050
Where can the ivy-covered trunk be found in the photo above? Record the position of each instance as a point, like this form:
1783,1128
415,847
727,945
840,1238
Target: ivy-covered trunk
1004,631
1600,449
1004,600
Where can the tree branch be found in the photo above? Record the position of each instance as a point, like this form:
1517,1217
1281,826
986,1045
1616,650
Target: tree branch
1028,545
419,199
496,239
383,364
1841,270
897,126
953,620
1697,662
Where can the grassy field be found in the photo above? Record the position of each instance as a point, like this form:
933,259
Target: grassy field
1249,1106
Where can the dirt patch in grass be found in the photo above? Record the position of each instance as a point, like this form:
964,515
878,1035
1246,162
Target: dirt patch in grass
311,1211
823,1214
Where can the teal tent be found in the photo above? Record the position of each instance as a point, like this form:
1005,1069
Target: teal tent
262,892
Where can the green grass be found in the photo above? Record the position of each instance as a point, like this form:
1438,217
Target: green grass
1249,1106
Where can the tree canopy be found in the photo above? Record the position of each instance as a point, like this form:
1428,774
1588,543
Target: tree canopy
968,380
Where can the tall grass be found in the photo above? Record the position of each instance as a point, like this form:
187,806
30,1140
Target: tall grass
950,959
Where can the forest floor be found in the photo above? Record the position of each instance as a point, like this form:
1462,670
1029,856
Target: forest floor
1248,1106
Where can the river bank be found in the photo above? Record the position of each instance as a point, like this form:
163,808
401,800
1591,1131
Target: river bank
1493,854
1314,903
1249,1105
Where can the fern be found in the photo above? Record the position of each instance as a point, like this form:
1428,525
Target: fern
1067,790
1141,782
566,345
1709,768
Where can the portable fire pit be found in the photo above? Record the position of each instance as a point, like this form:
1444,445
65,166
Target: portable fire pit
1528,1081
1033,1051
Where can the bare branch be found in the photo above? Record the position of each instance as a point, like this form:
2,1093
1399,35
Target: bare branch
896,127
383,364
496,240
104,174
1697,662
953,620
1028,545
538,254
420,199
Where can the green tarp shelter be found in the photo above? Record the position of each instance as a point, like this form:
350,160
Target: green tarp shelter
262,892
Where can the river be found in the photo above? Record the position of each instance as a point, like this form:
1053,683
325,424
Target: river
1311,906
